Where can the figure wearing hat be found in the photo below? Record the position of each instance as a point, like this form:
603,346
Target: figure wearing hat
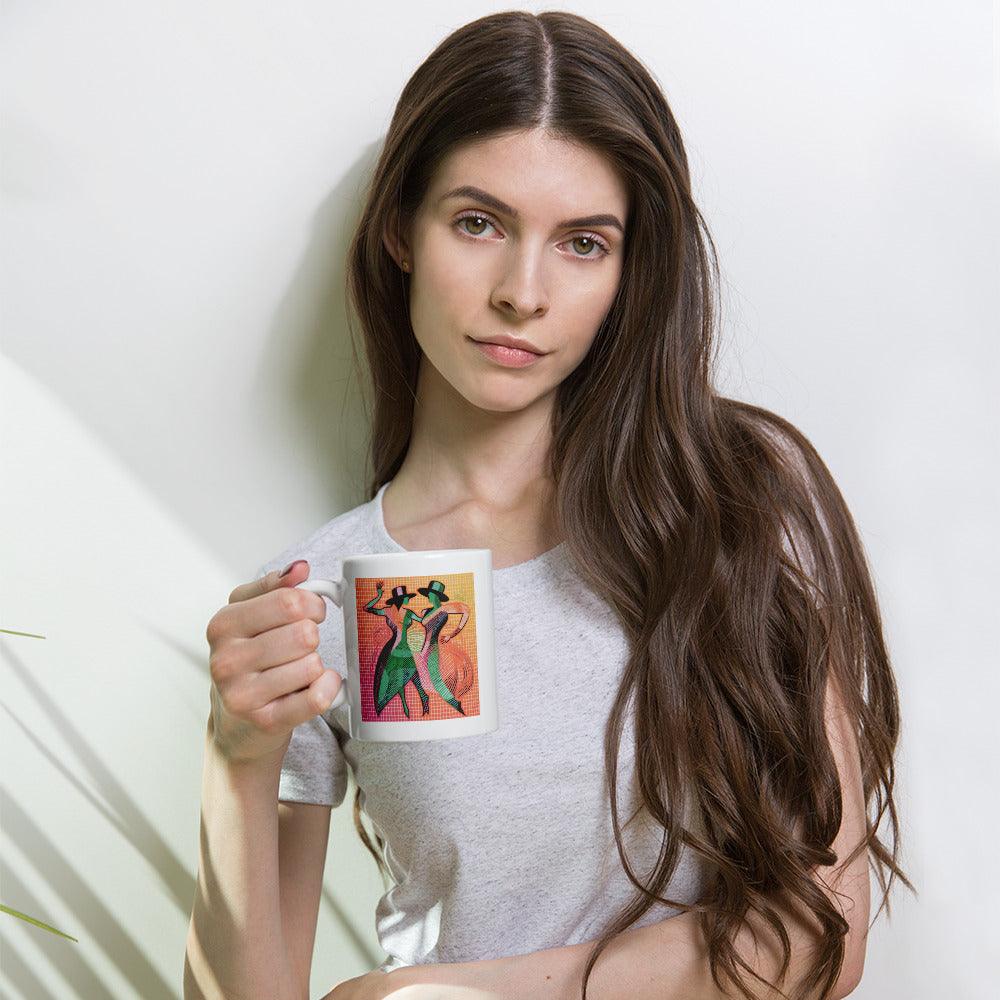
448,669
395,667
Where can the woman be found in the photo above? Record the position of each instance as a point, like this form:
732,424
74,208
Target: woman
533,195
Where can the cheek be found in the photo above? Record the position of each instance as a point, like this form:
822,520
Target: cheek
584,312
447,286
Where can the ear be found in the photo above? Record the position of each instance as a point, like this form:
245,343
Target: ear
395,240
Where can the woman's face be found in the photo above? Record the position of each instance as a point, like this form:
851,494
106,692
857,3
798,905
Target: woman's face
503,260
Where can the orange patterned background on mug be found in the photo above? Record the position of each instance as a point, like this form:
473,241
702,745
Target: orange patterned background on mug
433,674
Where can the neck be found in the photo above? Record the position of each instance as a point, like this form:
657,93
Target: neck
460,452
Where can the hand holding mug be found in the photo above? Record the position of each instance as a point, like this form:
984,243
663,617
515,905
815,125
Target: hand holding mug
267,677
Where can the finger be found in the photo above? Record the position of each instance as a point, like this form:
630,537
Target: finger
282,644
291,710
272,609
297,571
254,690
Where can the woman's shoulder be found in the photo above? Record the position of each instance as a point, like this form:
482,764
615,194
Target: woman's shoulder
801,491
785,442
790,456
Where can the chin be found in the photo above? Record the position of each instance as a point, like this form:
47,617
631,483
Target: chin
501,401
491,391
499,406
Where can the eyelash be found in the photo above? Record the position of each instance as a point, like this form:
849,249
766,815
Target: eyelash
603,248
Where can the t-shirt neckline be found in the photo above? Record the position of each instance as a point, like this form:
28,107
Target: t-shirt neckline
385,542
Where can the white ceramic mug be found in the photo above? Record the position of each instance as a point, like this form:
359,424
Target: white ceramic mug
419,653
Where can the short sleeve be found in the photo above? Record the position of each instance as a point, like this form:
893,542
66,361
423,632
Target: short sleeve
315,769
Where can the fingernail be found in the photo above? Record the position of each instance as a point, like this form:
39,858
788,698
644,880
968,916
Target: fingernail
290,567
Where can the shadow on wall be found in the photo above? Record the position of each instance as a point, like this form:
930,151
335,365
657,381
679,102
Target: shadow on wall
115,649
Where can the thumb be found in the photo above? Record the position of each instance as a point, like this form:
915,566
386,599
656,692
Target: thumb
291,576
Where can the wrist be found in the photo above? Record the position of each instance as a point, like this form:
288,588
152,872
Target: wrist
442,982
265,768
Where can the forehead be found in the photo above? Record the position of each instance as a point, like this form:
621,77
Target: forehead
540,174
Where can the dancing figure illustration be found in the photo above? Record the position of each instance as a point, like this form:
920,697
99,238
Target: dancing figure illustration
396,666
448,669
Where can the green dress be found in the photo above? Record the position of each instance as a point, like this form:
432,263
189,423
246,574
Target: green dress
395,667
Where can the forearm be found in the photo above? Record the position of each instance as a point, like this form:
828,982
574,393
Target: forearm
235,947
667,960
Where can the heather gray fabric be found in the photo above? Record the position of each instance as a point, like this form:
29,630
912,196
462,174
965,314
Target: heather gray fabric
500,843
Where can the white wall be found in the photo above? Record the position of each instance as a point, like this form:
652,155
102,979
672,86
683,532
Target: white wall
179,182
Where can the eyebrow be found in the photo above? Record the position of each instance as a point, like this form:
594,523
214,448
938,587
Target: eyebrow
478,194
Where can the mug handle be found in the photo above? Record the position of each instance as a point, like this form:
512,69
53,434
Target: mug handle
334,589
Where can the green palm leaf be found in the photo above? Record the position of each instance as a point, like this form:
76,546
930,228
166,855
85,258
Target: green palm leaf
37,923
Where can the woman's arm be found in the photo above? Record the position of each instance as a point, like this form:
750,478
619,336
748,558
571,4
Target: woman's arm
668,960
235,945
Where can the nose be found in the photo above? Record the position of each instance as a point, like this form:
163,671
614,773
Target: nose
521,289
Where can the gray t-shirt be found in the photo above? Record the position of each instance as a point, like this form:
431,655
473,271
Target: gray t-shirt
499,843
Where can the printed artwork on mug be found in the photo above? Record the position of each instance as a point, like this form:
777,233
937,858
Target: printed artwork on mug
417,648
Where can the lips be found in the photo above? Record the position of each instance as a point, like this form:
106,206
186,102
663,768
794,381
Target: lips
508,357
512,342
511,346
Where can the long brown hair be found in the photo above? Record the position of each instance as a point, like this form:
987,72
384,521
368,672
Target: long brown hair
712,527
